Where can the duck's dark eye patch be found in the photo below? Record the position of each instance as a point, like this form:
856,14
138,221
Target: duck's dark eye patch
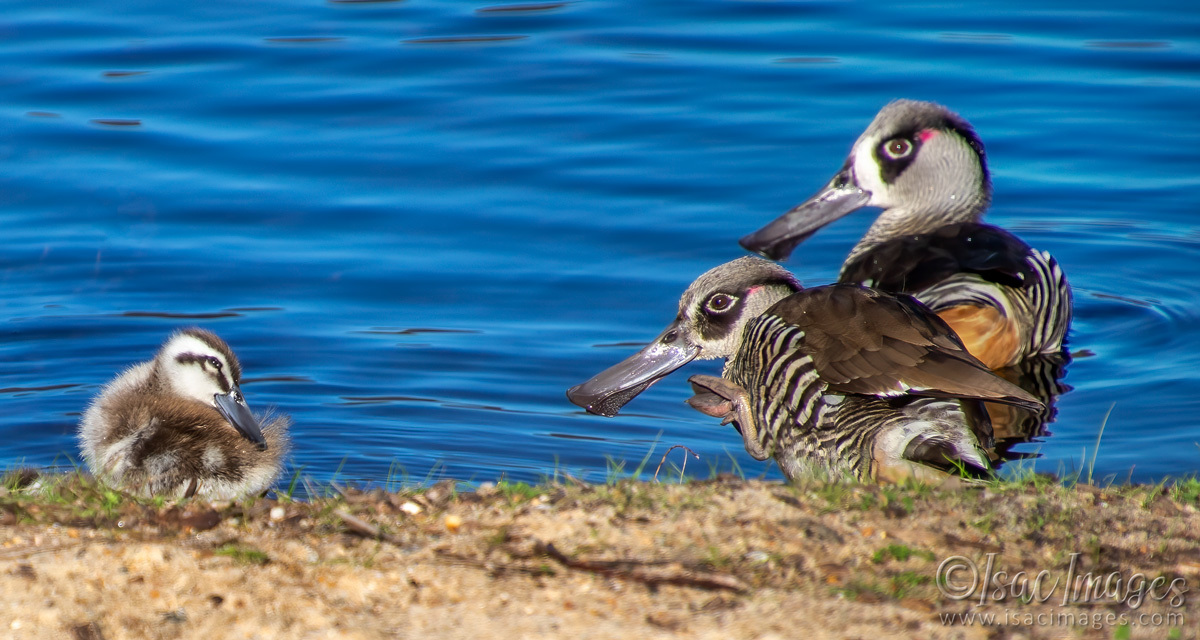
214,362
895,155
897,148
720,302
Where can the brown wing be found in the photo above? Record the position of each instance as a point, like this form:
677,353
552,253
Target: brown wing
868,342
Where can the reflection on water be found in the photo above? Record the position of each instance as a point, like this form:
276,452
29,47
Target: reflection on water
382,399
303,40
1110,44
522,8
49,387
173,314
417,247
807,60
387,331
116,122
248,381
1041,376
463,39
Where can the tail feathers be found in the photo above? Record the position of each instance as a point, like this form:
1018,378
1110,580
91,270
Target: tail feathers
959,377
953,456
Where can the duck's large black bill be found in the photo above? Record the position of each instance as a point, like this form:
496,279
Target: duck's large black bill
233,406
777,240
612,388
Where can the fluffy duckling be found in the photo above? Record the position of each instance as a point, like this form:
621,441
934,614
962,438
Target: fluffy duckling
178,426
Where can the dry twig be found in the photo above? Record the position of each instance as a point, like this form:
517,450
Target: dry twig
681,469
637,572
363,528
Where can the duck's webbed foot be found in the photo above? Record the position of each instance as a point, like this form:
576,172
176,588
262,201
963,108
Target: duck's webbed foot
716,397
720,398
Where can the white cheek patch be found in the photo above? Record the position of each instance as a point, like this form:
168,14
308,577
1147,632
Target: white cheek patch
868,175
192,379
188,379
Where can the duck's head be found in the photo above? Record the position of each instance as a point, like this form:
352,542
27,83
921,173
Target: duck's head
198,365
712,314
918,161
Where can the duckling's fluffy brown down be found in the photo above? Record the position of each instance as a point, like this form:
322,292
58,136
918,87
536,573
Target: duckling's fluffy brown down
155,445
147,434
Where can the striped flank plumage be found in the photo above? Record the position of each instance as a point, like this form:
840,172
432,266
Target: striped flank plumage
840,377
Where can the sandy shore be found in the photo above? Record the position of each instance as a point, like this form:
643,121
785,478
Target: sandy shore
715,559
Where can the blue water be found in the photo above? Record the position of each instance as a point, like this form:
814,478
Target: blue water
419,222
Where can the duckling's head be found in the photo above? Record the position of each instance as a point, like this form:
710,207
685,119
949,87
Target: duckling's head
712,315
197,364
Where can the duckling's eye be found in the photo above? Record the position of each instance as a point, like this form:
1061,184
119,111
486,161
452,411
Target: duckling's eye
216,364
897,148
720,302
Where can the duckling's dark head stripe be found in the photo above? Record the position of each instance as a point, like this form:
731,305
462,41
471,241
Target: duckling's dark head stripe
216,375
217,344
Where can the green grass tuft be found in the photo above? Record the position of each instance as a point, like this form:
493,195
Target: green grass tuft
1186,490
519,490
899,552
242,554
1096,449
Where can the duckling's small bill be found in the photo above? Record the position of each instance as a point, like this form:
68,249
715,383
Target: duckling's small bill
233,407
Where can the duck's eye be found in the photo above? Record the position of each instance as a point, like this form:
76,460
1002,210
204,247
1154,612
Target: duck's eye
216,364
720,302
897,148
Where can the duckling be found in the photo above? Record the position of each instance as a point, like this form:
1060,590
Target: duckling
178,426
840,377
925,167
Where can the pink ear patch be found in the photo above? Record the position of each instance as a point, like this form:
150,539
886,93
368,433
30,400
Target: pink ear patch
925,134
754,289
